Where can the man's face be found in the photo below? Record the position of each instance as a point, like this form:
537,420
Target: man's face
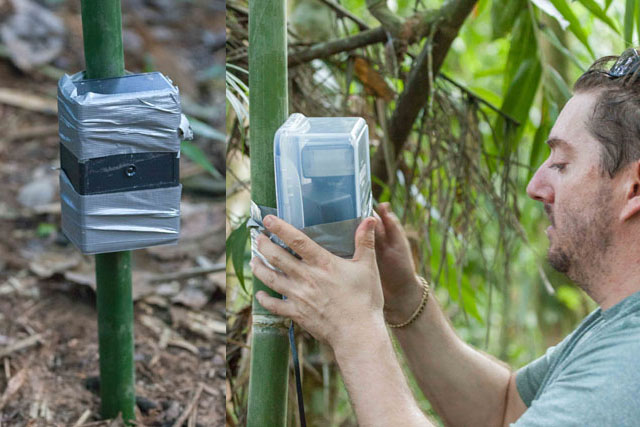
577,196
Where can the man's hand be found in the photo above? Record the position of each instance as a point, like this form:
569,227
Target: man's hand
402,291
330,297
340,302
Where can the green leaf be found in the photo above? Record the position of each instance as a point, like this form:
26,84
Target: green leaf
469,299
569,296
486,94
202,129
235,246
503,16
237,106
522,90
629,10
559,84
523,46
637,14
237,92
595,9
574,24
536,155
553,39
45,229
607,3
194,153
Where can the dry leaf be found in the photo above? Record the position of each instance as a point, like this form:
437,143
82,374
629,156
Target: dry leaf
372,80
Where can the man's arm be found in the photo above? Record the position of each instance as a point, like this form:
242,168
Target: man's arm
464,386
515,407
376,384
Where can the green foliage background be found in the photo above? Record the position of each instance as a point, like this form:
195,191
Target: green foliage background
487,258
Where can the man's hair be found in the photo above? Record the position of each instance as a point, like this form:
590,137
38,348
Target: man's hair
615,120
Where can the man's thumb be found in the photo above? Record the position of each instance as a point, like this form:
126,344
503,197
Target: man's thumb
366,239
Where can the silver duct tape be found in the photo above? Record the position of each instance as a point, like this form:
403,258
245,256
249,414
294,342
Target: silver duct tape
336,237
256,227
97,125
122,221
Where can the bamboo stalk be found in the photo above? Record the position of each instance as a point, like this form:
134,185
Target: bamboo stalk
102,34
268,109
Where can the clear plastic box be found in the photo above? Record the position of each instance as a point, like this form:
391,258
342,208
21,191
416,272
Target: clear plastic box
322,170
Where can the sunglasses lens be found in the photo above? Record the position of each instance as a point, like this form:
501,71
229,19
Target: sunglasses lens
625,63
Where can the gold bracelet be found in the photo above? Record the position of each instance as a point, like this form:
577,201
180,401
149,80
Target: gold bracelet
423,303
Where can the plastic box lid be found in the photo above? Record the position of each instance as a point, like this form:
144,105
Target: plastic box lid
322,170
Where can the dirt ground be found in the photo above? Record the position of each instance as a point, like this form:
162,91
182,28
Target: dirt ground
48,320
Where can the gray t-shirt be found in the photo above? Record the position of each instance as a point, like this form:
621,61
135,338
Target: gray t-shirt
592,378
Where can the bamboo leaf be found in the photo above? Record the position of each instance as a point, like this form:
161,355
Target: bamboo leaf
574,24
607,3
237,106
469,302
559,83
503,16
637,14
536,154
549,9
522,90
599,13
235,247
194,153
629,10
237,92
553,39
523,46
202,129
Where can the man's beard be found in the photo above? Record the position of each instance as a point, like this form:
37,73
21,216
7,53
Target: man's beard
579,246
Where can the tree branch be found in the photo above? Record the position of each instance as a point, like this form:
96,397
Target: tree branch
341,11
322,50
413,30
389,20
451,16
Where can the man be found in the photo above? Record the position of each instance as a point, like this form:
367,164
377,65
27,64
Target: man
590,188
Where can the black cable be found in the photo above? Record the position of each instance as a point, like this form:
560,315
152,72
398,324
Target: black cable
296,369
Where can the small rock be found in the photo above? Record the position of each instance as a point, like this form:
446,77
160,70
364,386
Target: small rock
191,296
145,404
41,191
92,384
173,411
33,35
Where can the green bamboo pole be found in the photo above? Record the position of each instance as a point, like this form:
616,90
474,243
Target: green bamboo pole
268,106
104,57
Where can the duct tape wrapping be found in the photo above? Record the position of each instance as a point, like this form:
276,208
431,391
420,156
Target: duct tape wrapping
256,227
120,221
336,237
97,125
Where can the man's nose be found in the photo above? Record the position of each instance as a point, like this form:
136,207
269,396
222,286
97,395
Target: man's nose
540,188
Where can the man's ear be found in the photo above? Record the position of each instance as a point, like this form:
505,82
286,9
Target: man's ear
632,192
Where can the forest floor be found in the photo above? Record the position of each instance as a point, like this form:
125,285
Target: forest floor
49,373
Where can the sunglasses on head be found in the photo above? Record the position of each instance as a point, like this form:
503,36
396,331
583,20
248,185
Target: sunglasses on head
627,63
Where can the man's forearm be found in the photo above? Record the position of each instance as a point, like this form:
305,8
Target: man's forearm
375,382
464,386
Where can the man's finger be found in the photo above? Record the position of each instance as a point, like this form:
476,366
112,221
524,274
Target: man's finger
392,225
276,306
380,231
365,240
300,243
278,257
273,279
